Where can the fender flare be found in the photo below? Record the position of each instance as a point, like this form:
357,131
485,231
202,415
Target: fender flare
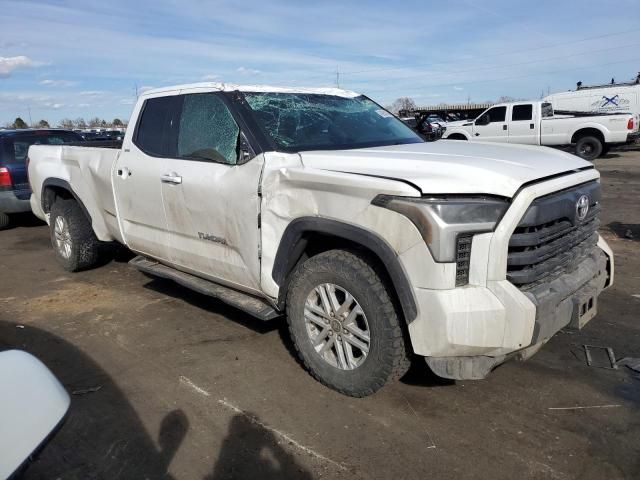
293,243
59,183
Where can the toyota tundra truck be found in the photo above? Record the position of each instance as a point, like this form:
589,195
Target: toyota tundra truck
320,205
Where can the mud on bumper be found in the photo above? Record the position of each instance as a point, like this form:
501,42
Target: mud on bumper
567,301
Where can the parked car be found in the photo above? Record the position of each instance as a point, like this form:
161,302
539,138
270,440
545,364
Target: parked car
33,406
422,126
14,185
534,123
320,204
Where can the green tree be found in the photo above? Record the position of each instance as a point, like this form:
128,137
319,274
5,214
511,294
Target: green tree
19,123
42,124
117,122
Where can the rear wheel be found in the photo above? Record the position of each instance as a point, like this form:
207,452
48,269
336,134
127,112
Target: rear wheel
4,221
74,243
456,136
344,324
589,148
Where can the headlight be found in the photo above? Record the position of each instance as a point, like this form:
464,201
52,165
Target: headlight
442,220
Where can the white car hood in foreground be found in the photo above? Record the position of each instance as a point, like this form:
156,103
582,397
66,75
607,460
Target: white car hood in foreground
451,166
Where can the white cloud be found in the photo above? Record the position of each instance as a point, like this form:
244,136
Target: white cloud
57,83
55,106
459,89
9,64
210,78
127,101
145,88
248,71
91,93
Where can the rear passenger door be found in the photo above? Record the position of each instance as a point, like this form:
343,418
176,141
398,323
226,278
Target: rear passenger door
493,128
211,201
524,127
138,174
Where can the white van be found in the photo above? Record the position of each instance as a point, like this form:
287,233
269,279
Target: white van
600,99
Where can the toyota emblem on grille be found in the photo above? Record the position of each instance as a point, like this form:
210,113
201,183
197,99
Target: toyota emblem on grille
582,207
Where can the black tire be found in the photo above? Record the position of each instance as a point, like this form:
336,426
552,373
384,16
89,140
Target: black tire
588,148
605,150
4,221
85,248
387,358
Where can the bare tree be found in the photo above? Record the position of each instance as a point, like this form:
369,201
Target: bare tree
402,104
95,122
79,123
66,123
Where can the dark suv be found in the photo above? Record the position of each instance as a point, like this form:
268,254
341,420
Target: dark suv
14,184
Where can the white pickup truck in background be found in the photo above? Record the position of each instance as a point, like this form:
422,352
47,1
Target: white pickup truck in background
320,204
534,123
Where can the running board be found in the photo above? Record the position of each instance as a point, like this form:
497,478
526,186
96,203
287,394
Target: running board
247,303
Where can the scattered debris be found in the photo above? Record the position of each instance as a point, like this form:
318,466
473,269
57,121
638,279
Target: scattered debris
20,326
636,296
84,391
611,359
628,234
631,363
583,408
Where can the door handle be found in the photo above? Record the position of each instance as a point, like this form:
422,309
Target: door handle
172,178
531,126
477,134
124,172
504,127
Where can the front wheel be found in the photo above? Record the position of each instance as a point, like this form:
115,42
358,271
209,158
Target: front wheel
589,148
344,324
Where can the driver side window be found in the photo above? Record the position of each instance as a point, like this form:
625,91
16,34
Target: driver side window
497,114
207,130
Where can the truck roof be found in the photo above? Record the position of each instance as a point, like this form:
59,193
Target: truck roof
231,87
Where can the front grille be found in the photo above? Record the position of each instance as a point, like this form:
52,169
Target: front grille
550,240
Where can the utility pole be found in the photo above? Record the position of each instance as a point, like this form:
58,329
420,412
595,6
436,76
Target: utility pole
30,121
337,77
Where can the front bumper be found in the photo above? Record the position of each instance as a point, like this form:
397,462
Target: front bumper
474,339
9,203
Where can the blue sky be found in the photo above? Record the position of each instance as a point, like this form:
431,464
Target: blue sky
84,58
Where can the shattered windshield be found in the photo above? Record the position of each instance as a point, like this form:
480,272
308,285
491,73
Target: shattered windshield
302,121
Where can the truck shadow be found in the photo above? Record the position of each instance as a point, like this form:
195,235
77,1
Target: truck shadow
102,437
213,305
627,231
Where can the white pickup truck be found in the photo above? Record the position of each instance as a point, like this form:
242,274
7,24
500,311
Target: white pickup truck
534,123
320,204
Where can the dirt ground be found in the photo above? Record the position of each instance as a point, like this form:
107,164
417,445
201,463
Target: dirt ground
188,388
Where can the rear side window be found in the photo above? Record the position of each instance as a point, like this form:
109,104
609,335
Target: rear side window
497,114
207,130
522,112
152,134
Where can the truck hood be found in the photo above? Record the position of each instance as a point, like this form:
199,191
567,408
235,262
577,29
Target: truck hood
451,166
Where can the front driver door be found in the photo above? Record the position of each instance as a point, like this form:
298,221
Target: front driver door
211,201
495,130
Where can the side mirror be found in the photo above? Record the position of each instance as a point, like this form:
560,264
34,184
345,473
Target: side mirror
483,120
32,405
